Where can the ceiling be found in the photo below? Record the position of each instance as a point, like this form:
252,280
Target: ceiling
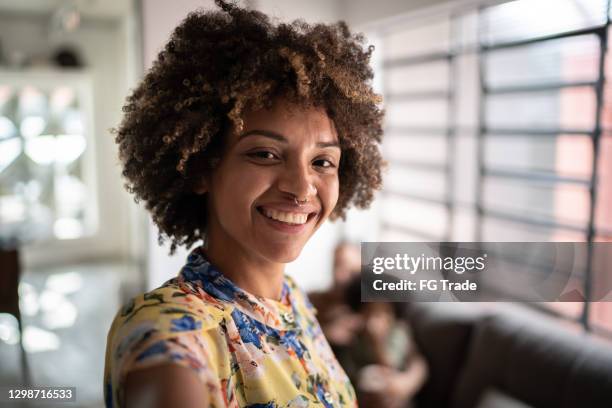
103,9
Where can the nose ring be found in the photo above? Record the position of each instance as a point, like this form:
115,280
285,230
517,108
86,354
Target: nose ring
300,202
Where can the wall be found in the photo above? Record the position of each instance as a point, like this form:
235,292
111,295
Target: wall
362,12
326,11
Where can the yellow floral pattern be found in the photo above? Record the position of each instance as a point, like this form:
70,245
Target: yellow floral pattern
248,351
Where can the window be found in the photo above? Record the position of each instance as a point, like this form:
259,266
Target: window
46,171
499,129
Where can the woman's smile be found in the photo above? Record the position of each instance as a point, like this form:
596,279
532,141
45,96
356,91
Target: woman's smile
287,220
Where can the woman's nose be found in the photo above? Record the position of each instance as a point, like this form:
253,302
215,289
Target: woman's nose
297,181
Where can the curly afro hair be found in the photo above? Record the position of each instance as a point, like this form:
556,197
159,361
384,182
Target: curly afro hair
216,65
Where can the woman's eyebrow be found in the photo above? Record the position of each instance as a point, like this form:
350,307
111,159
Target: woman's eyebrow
328,144
279,137
267,133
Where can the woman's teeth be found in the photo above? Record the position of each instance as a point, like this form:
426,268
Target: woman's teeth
290,218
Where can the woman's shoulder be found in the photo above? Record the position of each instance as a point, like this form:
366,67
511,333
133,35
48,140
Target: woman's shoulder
167,311
177,323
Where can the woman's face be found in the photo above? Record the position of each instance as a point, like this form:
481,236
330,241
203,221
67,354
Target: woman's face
282,153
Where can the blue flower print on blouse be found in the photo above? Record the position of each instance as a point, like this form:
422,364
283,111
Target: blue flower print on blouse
157,348
185,323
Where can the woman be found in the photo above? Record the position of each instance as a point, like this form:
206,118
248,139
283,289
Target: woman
246,136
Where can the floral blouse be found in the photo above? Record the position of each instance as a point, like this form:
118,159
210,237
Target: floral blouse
248,351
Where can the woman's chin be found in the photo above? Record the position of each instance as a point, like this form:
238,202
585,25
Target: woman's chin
283,253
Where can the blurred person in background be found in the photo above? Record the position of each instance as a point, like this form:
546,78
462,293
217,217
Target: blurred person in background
371,340
382,359
337,319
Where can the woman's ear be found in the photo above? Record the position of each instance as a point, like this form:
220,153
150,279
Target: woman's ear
200,186
203,169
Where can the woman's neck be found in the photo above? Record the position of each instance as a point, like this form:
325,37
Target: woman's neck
254,275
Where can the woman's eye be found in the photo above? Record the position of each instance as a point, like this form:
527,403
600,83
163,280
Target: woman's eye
324,163
263,154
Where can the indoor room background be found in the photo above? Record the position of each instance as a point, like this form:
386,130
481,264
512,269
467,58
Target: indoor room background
498,128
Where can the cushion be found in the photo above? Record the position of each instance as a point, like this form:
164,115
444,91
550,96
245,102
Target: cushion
534,359
442,332
494,398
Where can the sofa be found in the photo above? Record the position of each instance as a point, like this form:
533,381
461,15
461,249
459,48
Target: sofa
508,356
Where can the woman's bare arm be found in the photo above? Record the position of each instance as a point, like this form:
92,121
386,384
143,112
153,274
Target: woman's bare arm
165,386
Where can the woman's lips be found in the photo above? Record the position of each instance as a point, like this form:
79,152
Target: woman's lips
292,222
285,216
